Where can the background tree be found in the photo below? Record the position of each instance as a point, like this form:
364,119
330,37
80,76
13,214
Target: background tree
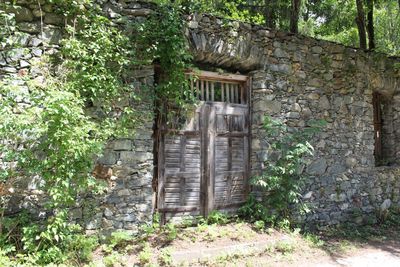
294,16
370,25
360,20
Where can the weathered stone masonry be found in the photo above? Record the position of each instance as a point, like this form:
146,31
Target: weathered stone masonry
294,78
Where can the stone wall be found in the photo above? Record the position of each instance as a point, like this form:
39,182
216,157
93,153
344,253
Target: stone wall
296,79
127,164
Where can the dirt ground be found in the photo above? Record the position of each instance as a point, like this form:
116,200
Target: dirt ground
239,244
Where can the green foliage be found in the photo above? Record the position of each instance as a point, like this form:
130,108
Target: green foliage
9,34
80,248
118,240
165,258
145,255
5,261
282,179
57,242
241,10
285,247
387,32
114,259
171,231
253,210
314,240
217,217
55,138
161,39
259,225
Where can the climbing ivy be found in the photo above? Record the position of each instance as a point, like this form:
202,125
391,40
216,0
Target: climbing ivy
54,129
161,39
48,131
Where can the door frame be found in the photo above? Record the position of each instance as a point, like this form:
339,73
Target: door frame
207,165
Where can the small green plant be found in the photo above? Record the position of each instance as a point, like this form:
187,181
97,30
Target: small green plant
283,224
259,225
217,217
283,178
314,240
113,259
118,240
146,254
80,248
165,258
285,247
4,259
253,210
170,231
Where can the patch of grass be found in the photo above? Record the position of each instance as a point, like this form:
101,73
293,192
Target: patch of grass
114,259
165,258
285,247
314,240
217,217
340,247
259,225
118,240
146,254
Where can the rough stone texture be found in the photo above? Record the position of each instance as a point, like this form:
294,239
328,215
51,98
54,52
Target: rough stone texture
295,79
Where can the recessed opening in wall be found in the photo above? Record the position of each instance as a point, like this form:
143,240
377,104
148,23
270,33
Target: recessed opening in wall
384,152
203,162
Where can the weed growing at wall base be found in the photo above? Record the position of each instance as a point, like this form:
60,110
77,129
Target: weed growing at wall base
280,183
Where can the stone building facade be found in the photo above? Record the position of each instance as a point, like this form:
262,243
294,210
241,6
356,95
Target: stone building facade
294,78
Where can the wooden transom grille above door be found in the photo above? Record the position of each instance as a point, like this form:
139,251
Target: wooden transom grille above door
203,164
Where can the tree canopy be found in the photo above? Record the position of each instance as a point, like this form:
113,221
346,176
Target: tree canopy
368,24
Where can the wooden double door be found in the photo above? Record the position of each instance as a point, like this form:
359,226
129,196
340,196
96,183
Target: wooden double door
203,165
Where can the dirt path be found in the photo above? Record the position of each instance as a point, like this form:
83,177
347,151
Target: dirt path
292,250
383,255
239,244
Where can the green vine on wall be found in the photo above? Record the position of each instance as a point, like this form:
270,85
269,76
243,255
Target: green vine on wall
52,136
60,137
161,39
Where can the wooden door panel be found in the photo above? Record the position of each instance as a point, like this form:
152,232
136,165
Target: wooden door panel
204,162
179,188
228,126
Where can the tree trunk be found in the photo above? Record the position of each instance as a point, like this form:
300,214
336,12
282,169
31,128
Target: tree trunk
270,14
370,25
360,20
294,16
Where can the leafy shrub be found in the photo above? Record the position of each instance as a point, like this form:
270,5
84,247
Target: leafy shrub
113,259
4,259
80,248
314,240
217,217
282,180
254,210
60,140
